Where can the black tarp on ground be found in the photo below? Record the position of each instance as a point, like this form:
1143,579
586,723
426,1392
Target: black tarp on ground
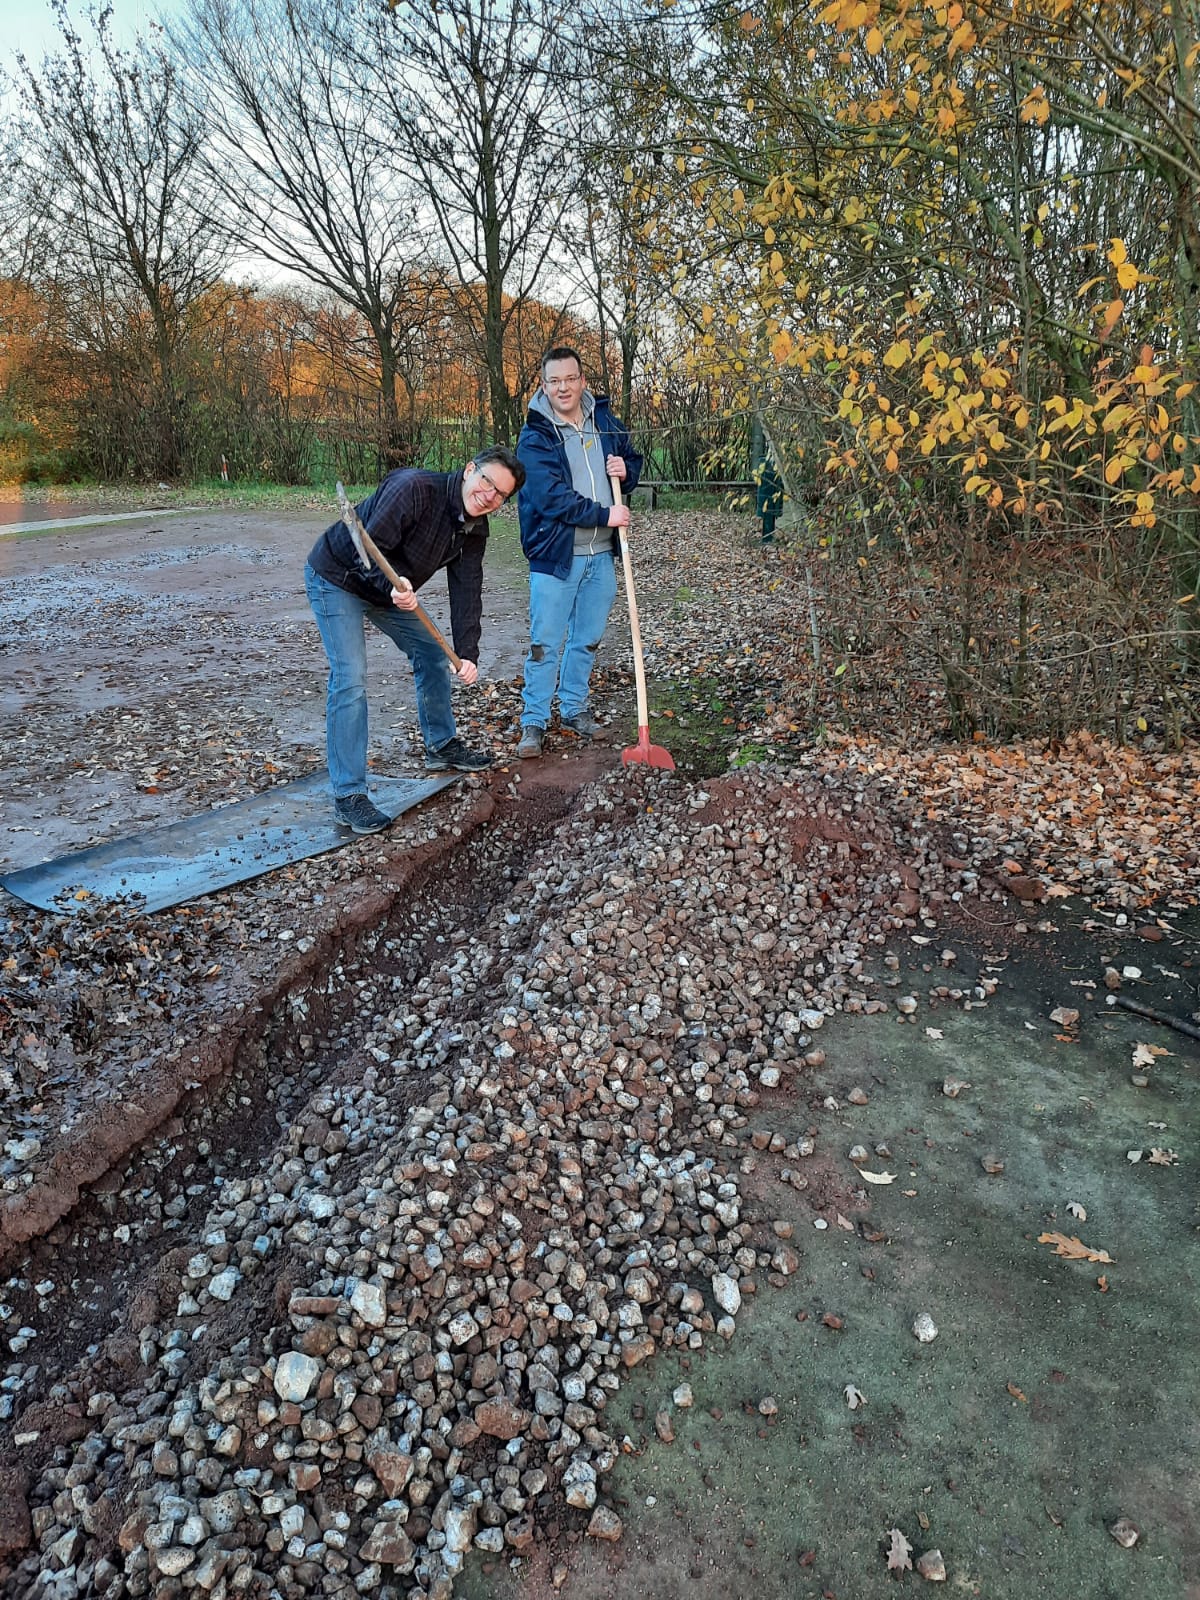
230,844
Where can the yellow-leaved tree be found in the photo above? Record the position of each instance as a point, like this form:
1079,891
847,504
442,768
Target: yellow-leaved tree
950,253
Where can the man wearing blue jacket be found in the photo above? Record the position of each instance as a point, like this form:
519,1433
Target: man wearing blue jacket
570,446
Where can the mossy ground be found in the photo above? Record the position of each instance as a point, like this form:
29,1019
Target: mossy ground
1046,1408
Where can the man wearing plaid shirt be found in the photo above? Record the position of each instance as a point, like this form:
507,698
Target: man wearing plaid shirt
422,521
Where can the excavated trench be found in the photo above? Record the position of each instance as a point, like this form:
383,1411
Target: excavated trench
111,1268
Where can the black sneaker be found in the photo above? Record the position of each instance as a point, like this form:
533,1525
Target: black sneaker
356,811
455,756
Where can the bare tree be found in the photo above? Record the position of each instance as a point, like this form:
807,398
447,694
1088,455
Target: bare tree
472,87
296,148
112,173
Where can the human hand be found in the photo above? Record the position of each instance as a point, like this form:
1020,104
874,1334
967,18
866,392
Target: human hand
615,467
467,673
618,517
405,599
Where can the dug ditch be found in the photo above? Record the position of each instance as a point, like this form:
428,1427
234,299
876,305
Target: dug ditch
390,1312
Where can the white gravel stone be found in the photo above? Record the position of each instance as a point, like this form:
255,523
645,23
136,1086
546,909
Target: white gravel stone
726,1293
370,1302
224,1285
295,1375
462,1328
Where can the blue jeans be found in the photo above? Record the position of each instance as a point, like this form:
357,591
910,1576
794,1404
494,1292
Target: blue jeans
567,617
340,621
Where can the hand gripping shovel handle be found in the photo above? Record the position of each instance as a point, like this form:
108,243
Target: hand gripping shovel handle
642,753
369,551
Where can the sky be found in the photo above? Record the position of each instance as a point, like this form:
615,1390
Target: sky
29,25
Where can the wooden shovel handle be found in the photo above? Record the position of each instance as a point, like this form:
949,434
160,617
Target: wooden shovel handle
639,665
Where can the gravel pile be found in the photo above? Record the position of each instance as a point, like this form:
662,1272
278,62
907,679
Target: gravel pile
398,1342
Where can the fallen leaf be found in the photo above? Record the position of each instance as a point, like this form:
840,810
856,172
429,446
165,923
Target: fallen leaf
1102,1283
1076,1210
1134,1155
1125,1533
1143,1055
1074,1249
934,1033
909,1194
854,1397
876,1177
1064,1016
843,1222
1017,1394
899,1555
1163,1158
924,1521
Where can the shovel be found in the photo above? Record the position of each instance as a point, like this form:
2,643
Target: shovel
369,551
643,753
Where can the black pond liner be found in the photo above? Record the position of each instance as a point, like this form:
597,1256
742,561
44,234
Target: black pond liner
231,844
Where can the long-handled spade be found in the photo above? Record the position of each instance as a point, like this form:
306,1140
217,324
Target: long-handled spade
643,753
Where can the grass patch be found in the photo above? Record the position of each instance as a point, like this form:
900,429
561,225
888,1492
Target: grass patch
699,719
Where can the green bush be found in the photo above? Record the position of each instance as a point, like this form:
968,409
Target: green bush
25,457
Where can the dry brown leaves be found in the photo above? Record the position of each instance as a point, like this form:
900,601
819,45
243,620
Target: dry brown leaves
899,1552
1073,1249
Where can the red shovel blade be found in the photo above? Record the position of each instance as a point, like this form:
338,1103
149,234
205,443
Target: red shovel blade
645,754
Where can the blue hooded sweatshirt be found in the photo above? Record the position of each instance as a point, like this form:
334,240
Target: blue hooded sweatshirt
549,506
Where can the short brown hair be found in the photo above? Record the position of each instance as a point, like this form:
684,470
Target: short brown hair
561,352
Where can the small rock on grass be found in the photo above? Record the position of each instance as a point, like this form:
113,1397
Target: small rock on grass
925,1328
932,1567
605,1524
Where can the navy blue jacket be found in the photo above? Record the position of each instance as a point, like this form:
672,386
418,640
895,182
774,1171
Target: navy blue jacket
548,507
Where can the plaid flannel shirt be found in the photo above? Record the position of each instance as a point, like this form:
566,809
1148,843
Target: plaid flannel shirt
418,521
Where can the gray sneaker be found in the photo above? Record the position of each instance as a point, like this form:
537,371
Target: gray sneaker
531,742
583,724
355,811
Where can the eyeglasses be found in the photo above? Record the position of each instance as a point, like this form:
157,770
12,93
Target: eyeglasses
564,383
499,493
